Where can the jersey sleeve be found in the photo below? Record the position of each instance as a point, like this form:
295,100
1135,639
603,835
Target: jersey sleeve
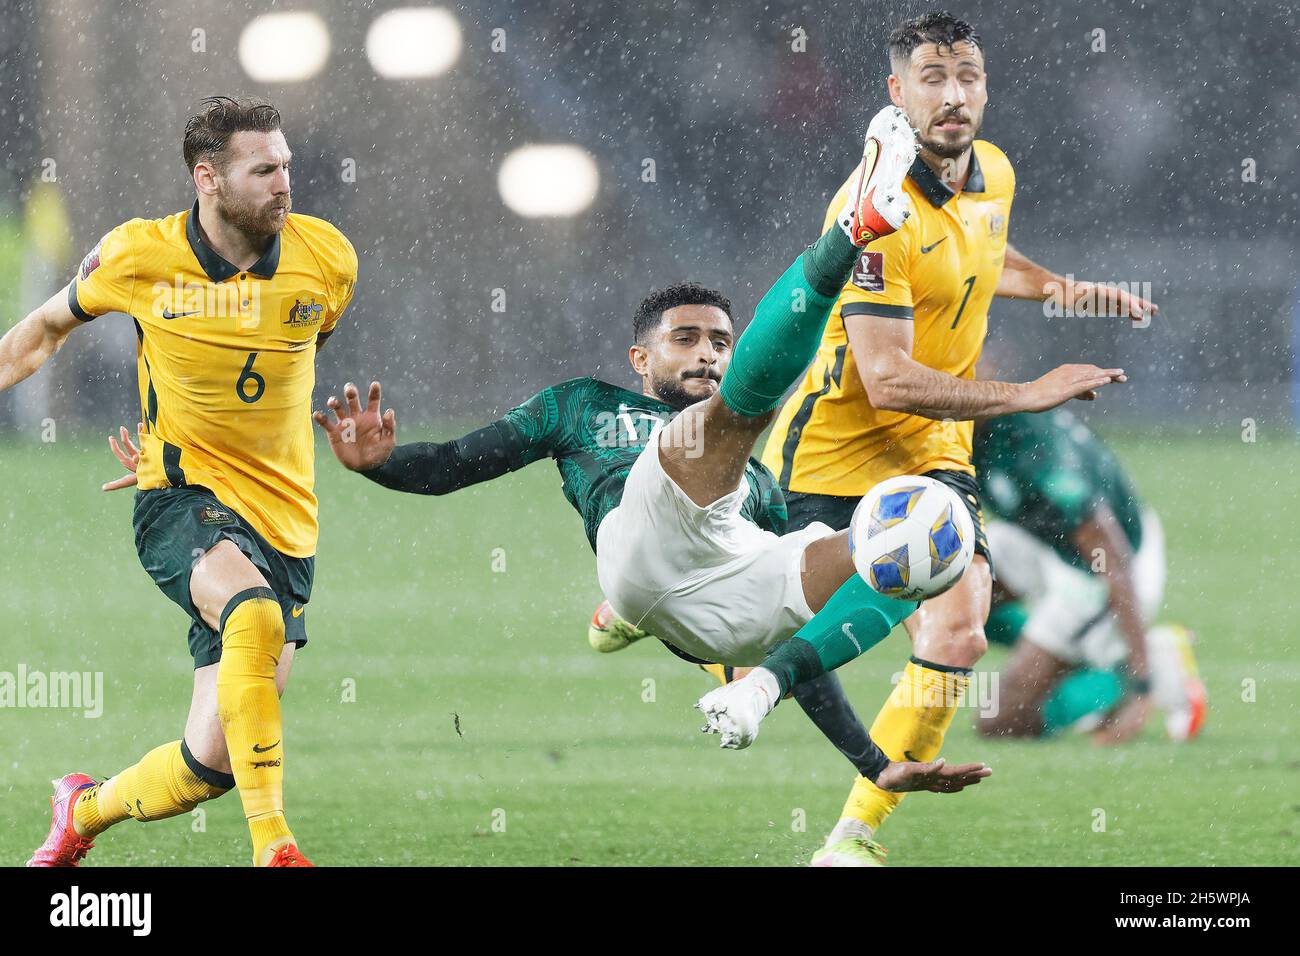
881,282
105,280
342,285
439,468
535,426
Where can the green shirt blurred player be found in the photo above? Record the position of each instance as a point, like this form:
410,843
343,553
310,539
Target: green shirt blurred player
1081,577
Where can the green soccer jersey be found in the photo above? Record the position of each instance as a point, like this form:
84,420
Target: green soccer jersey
1048,473
595,431
592,429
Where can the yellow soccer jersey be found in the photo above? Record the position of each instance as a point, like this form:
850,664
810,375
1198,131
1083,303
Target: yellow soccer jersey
226,359
939,272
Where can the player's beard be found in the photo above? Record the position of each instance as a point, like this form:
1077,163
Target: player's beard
253,219
672,391
946,148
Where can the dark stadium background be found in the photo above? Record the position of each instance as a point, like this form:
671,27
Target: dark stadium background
1129,167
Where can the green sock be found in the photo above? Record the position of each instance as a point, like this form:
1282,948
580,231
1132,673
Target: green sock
782,339
1079,694
854,620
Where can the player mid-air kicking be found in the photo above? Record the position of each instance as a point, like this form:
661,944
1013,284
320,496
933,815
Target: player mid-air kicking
673,504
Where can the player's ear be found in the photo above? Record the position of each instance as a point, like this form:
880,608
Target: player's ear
895,90
205,177
636,354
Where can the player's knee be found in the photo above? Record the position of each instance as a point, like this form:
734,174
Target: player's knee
956,646
973,643
252,620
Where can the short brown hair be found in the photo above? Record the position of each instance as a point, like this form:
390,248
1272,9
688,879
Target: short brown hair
208,131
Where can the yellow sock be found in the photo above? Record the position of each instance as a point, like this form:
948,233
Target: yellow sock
722,673
910,726
163,784
252,638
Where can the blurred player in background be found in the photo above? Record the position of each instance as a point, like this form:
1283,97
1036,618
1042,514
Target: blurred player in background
893,388
1081,579
231,301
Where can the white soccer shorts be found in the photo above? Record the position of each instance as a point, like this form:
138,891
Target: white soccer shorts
1069,612
707,580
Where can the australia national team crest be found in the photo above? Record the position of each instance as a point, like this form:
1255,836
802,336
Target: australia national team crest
869,271
304,313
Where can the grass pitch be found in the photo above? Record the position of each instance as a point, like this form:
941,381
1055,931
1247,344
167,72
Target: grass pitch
484,731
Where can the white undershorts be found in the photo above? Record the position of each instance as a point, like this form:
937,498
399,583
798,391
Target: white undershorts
1069,608
707,580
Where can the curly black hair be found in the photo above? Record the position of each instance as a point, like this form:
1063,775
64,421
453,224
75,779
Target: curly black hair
936,27
653,306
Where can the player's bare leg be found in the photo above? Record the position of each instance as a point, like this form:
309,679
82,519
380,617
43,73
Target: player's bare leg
705,448
1023,685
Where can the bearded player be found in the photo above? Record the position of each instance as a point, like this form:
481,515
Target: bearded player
231,300
893,391
677,512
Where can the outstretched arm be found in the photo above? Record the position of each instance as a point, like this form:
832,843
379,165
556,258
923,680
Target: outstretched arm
365,441
1022,278
894,381
30,343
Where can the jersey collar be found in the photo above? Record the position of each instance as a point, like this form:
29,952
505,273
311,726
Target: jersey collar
935,189
217,268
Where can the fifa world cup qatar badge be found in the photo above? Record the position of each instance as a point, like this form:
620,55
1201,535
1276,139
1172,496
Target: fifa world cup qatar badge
869,272
91,262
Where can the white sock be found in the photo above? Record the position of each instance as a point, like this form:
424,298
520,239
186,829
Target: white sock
770,685
849,828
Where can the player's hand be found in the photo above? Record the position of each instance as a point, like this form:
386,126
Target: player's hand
903,776
361,439
1125,722
1094,298
127,454
1066,382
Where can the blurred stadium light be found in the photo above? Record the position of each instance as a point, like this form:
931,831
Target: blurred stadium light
413,42
284,47
554,180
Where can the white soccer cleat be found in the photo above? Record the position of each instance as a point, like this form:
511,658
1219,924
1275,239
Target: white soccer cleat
1176,685
877,204
735,710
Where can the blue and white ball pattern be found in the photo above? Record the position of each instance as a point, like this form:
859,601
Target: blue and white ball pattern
911,538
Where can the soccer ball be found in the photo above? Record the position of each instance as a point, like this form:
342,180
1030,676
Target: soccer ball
911,537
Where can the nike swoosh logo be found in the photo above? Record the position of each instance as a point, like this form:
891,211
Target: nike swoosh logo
297,612
925,249
177,315
262,750
847,630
